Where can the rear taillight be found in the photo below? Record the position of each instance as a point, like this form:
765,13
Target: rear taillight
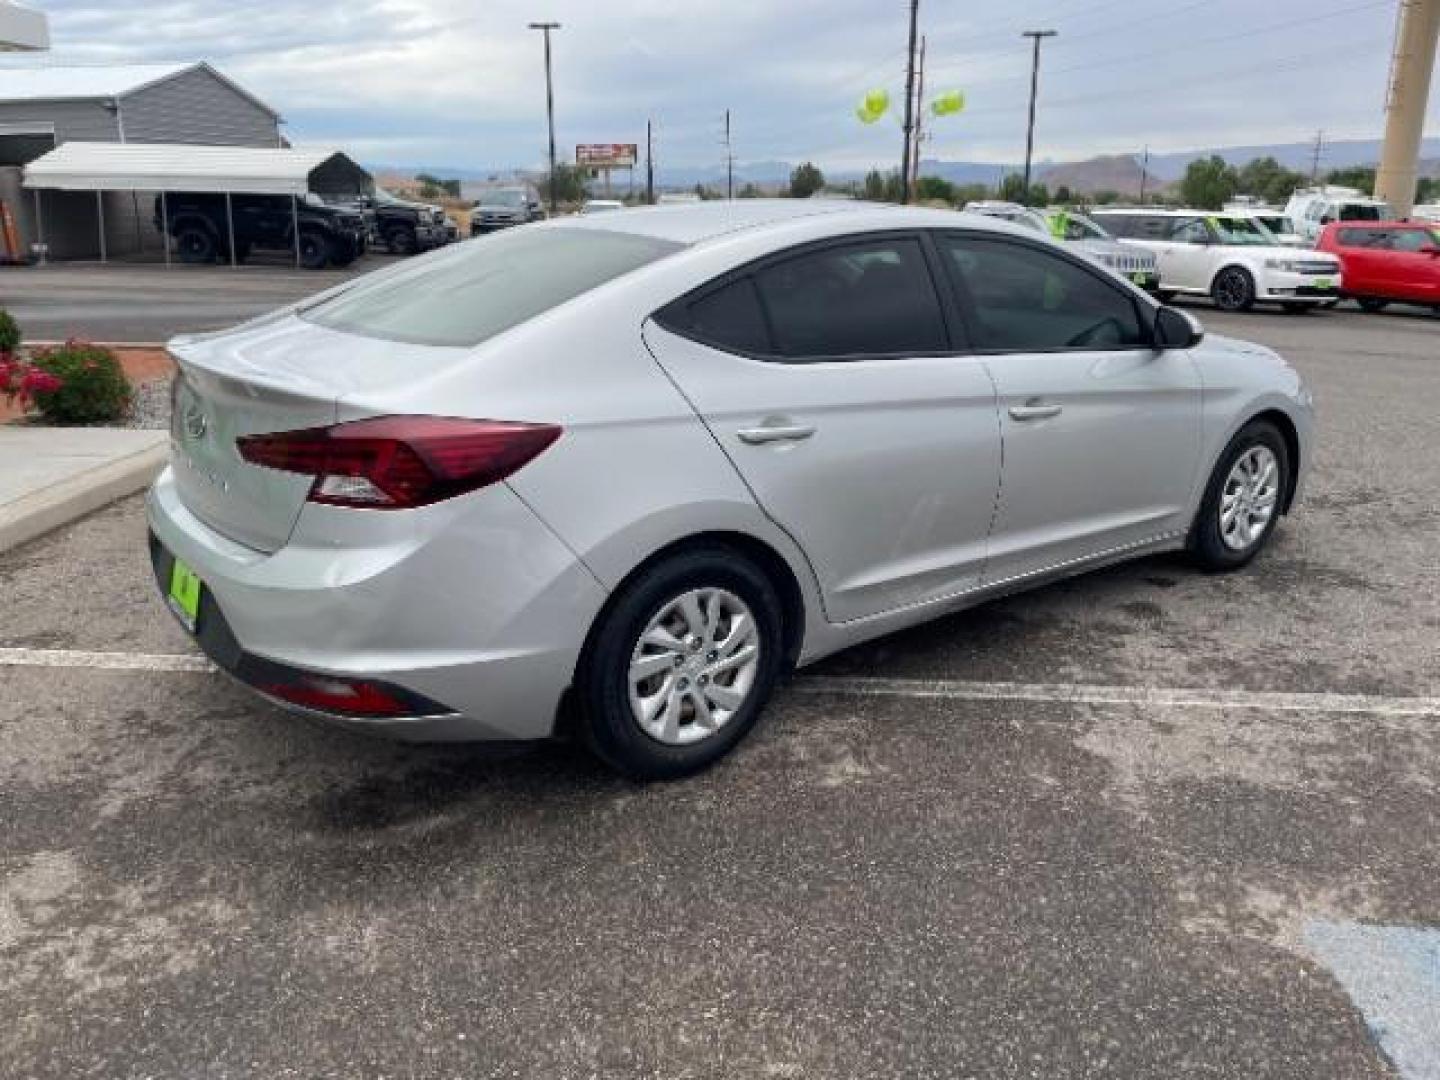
398,462
339,696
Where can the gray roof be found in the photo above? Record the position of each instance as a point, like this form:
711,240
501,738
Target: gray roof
42,81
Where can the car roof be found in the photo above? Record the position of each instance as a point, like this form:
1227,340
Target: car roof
696,223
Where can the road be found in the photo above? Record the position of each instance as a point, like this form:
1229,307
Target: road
1145,823
146,304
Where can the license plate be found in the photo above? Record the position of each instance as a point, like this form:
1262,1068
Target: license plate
1323,282
184,594
1139,278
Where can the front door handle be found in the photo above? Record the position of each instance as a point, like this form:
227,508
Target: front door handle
1034,411
769,433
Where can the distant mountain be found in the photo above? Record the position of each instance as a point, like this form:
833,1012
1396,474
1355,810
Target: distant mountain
1116,172
1111,172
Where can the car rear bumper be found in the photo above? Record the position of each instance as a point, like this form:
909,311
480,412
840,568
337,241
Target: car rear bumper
473,605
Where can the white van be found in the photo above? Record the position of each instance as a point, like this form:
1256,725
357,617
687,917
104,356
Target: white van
1311,209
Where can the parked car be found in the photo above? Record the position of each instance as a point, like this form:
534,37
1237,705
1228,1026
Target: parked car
200,228
1313,208
502,207
1230,258
404,227
1387,261
1284,230
601,206
645,464
1426,212
1071,227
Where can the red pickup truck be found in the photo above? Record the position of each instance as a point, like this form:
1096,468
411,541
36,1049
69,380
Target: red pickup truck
1385,261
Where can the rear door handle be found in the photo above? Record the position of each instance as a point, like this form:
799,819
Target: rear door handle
1034,411
769,433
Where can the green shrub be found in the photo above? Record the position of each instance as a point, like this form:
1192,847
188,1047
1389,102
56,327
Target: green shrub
93,387
9,332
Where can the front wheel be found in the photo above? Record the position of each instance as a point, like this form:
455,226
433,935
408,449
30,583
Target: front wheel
401,241
677,671
1243,500
314,251
1233,289
195,245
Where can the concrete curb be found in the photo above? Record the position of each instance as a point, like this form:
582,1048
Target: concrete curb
35,514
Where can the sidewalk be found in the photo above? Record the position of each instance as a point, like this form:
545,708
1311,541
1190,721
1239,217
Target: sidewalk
51,476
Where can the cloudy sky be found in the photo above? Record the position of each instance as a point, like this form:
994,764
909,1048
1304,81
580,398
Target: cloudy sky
460,82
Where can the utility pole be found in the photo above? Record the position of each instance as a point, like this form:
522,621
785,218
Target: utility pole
1038,36
729,161
545,28
919,118
649,167
1412,66
1315,155
1144,171
909,103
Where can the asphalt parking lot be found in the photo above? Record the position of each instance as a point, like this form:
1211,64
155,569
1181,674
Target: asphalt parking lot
1145,823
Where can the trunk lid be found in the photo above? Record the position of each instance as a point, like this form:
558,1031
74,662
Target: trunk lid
279,373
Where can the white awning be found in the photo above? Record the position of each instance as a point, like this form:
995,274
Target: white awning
93,166
22,29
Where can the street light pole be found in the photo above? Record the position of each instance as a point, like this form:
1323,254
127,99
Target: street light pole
546,27
1037,35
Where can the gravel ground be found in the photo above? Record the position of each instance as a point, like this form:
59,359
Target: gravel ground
151,407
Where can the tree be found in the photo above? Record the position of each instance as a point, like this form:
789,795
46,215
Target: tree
569,184
968,193
1012,189
806,180
749,191
1267,179
1357,176
1064,195
1208,182
432,187
935,188
882,187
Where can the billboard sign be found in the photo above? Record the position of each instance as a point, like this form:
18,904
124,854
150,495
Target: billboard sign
607,155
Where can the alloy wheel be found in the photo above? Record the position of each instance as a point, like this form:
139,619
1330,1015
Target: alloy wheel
694,666
1249,498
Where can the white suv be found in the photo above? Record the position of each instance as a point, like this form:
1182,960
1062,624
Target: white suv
1313,208
1229,258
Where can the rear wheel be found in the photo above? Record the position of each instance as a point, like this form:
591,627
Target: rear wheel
401,241
1233,289
678,669
314,250
1371,304
1243,500
195,245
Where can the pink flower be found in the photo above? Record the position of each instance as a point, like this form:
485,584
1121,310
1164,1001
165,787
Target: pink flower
35,381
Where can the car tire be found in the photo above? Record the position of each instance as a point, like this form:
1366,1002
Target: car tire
343,252
401,241
314,250
1372,304
1244,499
646,657
1233,289
195,245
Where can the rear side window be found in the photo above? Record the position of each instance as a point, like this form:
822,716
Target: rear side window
1361,238
870,298
484,287
729,317
1023,299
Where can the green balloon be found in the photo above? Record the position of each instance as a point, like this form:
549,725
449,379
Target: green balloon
876,101
948,103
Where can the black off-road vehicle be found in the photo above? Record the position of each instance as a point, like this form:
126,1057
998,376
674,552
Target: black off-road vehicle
329,235
405,228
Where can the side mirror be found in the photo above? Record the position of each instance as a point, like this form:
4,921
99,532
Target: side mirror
1176,329
1433,250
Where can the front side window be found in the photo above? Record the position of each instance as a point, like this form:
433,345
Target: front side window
870,298
476,290
1020,298
1412,240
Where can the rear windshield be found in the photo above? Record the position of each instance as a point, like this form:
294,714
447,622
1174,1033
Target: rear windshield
483,287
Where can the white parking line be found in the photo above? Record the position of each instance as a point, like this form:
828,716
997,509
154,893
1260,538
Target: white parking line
1089,694
943,689
103,661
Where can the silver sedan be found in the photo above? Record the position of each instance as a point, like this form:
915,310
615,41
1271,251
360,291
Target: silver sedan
649,461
